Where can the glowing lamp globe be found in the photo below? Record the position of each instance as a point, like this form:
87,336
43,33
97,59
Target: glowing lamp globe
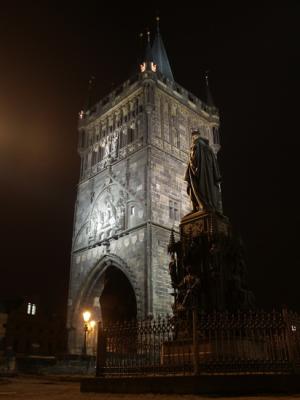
86,316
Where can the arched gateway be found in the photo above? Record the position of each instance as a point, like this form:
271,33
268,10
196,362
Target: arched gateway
110,293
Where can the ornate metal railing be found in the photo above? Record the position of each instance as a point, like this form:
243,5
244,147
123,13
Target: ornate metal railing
248,342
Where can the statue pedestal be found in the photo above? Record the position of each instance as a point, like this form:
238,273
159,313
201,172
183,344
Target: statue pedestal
209,273
198,223
203,223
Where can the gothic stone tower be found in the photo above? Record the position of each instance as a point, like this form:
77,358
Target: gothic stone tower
134,147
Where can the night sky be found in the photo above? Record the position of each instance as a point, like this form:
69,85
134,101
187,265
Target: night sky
47,54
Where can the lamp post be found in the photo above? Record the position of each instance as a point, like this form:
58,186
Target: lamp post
92,328
86,317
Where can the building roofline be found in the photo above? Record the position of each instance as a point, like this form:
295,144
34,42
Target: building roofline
120,92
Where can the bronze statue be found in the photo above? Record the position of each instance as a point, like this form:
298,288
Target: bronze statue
203,176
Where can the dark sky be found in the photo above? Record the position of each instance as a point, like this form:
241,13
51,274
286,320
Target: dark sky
48,52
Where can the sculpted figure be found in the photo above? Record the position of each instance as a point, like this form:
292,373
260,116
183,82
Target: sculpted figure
120,210
203,176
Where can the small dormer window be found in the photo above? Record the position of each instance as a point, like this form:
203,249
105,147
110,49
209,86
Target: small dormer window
153,67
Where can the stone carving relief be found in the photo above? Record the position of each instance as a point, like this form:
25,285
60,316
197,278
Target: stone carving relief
108,213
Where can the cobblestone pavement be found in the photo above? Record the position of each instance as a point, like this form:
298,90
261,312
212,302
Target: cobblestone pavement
45,389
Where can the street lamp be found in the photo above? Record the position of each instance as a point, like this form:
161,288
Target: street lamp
86,317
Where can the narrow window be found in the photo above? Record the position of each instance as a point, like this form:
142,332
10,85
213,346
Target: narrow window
216,135
130,135
100,153
176,213
122,138
94,157
132,210
82,141
173,210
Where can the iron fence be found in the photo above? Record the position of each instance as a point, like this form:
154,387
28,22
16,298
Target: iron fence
220,342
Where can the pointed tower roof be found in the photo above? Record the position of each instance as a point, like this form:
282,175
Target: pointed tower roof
160,55
209,98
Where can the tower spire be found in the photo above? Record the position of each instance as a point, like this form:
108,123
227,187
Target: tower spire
160,55
147,61
209,98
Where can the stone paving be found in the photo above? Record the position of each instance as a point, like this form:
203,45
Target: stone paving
42,388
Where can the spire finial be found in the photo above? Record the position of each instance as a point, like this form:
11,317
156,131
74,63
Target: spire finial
91,85
206,77
91,82
157,23
209,98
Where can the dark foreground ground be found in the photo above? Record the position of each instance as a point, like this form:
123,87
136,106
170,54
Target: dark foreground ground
50,388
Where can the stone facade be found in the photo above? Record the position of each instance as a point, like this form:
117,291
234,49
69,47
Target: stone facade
134,147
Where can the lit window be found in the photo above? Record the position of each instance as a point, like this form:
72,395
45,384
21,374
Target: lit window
31,309
132,210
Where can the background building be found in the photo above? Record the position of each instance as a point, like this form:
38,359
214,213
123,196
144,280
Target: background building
26,328
134,147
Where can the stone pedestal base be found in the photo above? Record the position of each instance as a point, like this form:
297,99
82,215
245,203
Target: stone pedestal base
198,223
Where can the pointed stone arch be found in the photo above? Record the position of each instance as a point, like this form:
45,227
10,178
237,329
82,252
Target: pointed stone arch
92,289
92,284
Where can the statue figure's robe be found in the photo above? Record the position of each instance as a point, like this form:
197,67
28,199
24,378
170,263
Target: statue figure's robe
203,177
